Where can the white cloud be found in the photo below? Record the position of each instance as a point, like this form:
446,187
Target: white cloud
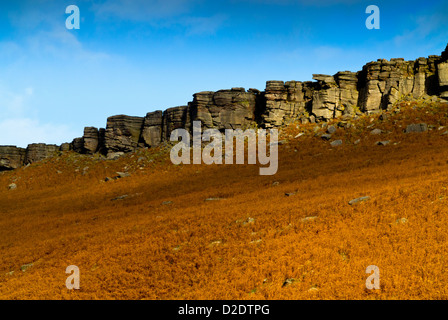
19,125
23,131
12,104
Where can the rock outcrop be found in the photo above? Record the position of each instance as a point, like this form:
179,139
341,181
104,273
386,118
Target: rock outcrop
90,140
443,74
174,118
285,101
123,133
152,129
39,151
378,86
11,157
224,109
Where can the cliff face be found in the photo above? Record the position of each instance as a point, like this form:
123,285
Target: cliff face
375,88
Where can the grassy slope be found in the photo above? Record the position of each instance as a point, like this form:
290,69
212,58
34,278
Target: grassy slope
139,248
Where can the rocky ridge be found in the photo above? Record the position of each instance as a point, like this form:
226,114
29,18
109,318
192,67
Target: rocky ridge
377,87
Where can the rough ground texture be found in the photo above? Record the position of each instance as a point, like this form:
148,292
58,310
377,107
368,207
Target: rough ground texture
377,87
148,233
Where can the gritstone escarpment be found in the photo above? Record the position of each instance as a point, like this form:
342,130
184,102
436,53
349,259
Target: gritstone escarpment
377,87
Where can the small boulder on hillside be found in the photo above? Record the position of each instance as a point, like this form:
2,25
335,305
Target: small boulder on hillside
382,143
123,174
331,129
419,127
336,143
357,200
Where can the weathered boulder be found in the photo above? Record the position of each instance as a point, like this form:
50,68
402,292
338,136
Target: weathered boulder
175,118
325,98
11,157
416,127
224,109
39,151
443,79
383,83
90,140
78,145
152,129
284,101
347,82
122,133
65,147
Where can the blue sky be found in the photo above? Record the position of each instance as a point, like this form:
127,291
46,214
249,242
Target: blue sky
132,57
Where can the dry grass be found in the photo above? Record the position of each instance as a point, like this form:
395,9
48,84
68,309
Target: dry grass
140,248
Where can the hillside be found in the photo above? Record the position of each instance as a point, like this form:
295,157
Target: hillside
225,232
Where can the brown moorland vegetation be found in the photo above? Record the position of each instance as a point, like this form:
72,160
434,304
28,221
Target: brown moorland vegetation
164,241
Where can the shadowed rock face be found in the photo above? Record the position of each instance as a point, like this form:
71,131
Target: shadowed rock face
78,145
11,157
152,129
376,87
90,140
384,82
442,69
39,151
175,118
285,101
123,133
224,109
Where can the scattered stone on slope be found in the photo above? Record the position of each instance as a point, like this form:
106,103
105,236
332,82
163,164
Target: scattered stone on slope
336,143
12,186
307,219
331,129
357,200
382,143
123,174
26,267
288,282
401,221
124,196
376,131
248,221
420,127
326,136
114,155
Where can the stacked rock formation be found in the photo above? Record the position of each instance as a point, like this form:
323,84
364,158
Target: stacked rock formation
11,157
378,86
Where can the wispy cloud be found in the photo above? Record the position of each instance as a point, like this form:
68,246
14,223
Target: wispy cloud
204,25
143,10
23,131
313,3
19,126
424,26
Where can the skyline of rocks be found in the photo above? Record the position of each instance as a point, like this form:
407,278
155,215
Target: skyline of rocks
376,87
